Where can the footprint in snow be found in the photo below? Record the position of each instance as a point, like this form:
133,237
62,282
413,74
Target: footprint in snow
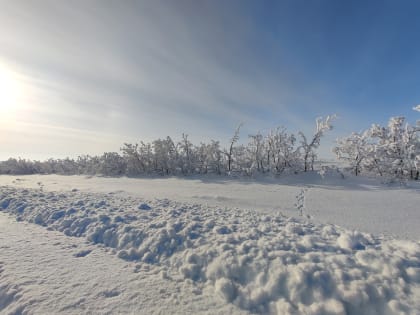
111,293
144,206
82,253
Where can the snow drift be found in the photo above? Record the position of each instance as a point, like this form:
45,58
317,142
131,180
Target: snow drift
260,263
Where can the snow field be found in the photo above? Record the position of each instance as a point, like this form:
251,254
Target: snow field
259,263
46,272
355,203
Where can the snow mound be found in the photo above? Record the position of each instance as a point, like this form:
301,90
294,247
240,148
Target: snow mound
265,264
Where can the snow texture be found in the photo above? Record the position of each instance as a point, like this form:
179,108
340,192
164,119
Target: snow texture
41,273
356,203
254,262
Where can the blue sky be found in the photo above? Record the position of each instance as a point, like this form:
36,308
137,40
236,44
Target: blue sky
90,75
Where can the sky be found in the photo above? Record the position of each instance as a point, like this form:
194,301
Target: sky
83,77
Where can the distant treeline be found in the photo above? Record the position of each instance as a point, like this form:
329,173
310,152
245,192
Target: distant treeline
276,152
392,152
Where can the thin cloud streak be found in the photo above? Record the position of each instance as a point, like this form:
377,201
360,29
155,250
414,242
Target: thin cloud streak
143,71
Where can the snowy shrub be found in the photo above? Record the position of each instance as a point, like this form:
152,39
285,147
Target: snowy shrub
17,167
112,164
392,152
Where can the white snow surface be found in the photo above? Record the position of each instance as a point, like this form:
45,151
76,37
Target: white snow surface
75,245
355,202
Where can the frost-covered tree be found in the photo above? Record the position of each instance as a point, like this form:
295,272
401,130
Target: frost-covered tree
186,155
411,143
112,164
134,162
281,150
208,157
229,152
256,148
17,167
353,149
309,145
139,158
215,157
166,155
88,164
243,160
202,158
391,151
66,166
395,147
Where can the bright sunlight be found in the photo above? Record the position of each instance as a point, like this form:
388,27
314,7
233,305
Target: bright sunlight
10,92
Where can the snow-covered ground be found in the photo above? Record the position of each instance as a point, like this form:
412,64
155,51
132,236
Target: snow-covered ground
77,245
354,203
46,272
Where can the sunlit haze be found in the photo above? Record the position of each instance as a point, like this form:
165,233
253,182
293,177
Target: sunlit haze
10,96
83,77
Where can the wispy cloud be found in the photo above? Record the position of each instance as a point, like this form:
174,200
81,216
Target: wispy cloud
150,69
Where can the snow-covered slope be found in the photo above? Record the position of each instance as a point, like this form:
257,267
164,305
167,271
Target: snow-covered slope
118,253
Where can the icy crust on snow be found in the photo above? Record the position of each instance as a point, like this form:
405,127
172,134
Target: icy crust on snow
262,264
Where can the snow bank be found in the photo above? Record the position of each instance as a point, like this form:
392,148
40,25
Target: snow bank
260,263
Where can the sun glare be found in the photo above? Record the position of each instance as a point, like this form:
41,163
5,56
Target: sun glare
10,92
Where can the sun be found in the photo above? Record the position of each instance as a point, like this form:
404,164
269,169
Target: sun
10,92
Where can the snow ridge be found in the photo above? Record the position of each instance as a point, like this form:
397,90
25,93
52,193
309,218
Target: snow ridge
260,263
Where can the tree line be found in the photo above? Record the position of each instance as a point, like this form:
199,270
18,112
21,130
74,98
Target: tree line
276,152
391,152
